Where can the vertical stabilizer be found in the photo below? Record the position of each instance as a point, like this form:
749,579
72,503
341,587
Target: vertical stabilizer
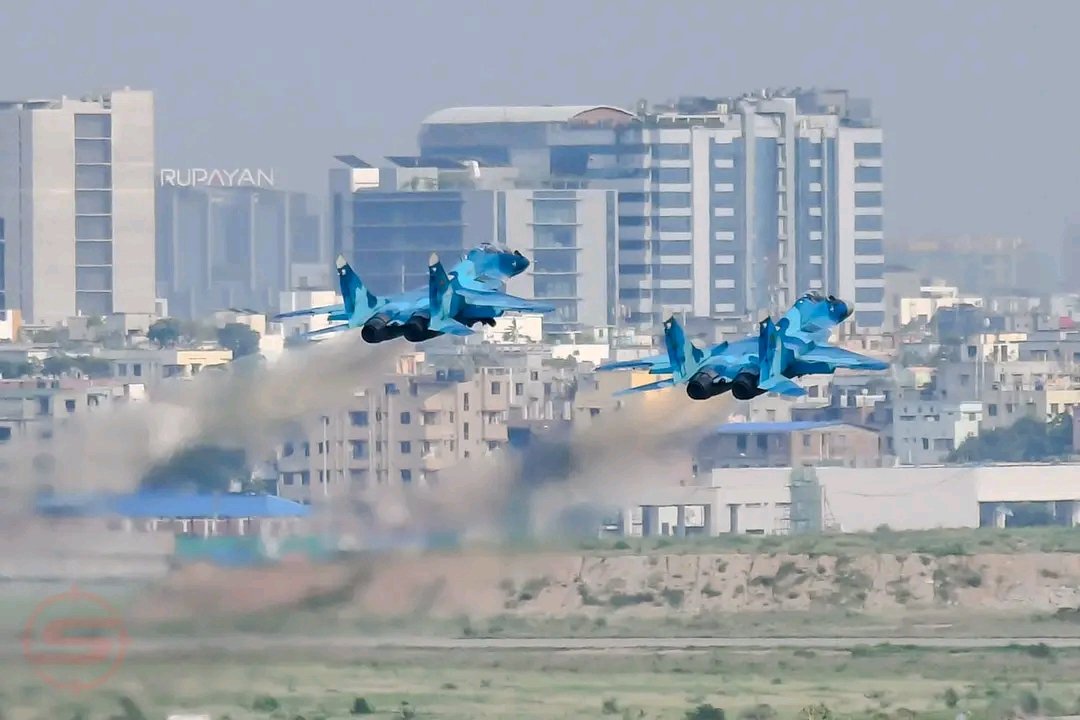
685,357
442,300
353,292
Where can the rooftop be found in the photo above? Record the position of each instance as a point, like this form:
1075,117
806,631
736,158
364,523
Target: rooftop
159,505
518,114
778,427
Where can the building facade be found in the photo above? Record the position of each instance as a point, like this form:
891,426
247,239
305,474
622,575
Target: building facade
389,220
726,206
221,247
77,195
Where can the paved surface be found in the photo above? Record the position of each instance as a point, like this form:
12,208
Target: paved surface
249,643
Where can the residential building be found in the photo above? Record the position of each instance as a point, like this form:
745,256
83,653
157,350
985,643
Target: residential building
77,197
787,444
404,431
33,407
926,429
726,206
390,224
232,247
151,366
924,306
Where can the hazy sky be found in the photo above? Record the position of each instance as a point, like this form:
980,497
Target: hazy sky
977,98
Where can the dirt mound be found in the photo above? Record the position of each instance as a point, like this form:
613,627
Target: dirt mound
562,585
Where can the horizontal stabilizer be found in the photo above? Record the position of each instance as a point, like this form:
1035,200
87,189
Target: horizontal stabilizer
782,386
638,364
324,310
322,332
449,326
658,385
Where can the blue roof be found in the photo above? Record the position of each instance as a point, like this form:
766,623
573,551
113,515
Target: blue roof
777,427
173,505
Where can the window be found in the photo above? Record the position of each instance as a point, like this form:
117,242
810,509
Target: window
673,247
671,151
868,174
867,150
93,227
465,431
93,177
869,295
868,271
763,442
669,223
534,375
93,202
867,199
496,388
673,272
554,261
465,402
406,448
633,197
93,253
519,388
93,152
359,449
93,279
868,247
93,126
358,419
671,176
406,476
868,223
554,236
405,418
554,211
429,418
672,199
668,296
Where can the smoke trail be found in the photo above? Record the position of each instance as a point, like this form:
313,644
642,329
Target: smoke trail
247,406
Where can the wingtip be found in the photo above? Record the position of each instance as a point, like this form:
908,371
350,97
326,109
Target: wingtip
341,262
433,260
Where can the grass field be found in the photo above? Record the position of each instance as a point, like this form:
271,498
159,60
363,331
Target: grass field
866,682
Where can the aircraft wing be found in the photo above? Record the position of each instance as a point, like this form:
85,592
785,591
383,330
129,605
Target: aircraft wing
830,357
502,301
324,310
645,363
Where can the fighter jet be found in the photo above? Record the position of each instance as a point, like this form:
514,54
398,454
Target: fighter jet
454,308
483,270
795,346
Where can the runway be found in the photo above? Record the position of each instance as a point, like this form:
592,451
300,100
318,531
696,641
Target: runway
253,643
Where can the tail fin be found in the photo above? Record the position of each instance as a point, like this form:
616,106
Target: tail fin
685,357
352,288
441,300
771,360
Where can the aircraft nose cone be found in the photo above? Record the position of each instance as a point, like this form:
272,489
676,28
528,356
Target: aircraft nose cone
844,309
520,262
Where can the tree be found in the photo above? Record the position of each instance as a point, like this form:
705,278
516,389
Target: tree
15,369
93,367
239,338
203,468
164,332
57,365
1026,440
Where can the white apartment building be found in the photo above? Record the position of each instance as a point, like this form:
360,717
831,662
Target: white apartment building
77,198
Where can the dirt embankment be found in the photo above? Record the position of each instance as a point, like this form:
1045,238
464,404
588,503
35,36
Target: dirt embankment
562,585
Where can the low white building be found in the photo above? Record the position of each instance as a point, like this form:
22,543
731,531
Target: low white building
766,501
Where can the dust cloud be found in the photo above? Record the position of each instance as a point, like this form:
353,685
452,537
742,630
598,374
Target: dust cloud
246,405
603,463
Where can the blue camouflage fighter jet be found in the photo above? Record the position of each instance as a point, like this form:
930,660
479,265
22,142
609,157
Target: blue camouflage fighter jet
797,345
452,302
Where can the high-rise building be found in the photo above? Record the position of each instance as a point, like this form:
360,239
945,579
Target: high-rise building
221,247
726,206
389,220
77,193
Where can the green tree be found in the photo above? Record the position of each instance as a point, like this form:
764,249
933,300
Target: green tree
93,367
16,369
203,468
164,332
57,365
239,338
1026,440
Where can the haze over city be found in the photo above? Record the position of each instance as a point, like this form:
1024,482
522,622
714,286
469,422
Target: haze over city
971,94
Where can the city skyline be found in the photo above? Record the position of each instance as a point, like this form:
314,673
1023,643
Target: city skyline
926,68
